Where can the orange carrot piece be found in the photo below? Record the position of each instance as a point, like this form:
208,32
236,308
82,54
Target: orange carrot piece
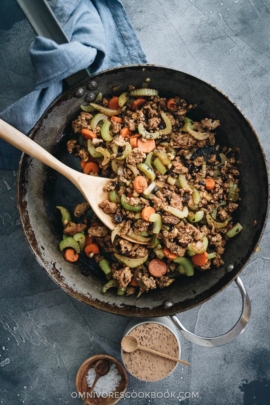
147,212
91,249
157,268
125,132
171,104
133,140
200,259
113,103
82,163
116,119
169,254
86,133
146,146
210,183
140,184
91,167
137,103
70,255
88,240
133,283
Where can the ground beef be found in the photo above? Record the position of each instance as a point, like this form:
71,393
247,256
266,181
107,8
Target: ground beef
108,207
83,154
130,291
139,251
123,276
130,123
136,156
71,228
174,247
115,127
164,281
170,219
178,167
153,123
81,209
146,283
83,121
170,234
71,144
98,231
209,124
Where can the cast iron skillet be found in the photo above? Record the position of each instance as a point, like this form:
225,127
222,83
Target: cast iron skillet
40,190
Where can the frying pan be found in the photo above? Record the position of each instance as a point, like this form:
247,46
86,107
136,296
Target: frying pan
40,190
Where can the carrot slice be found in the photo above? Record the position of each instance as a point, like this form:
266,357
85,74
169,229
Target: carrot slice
157,268
116,119
137,103
147,146
70,255
200,259
140,184
133,140
91,167
169,254
86,133
133,283
113,103
210,183
125,132
88,240
147,212
82,163
91,249
171,104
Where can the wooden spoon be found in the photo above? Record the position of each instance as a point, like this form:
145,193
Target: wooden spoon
101,368
90,186
129,344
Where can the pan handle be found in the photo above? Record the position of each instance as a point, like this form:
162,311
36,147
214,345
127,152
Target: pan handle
236,330
44,23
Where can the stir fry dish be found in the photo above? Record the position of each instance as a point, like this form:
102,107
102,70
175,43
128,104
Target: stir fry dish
173,191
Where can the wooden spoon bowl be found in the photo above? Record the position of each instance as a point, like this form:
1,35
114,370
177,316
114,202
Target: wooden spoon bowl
90,186
83,389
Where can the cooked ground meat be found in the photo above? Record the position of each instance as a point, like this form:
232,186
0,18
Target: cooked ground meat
170,219
71,228
164,281
108,207
136,156
81,209
71,145
97,231
153,123
83,121
123,276
130,123
146,283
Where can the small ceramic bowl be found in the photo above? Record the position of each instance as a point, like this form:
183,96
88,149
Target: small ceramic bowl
156,333
82,387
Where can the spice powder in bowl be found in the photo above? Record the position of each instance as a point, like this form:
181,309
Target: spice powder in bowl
150,367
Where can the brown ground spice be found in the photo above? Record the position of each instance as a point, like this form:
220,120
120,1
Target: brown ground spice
147,366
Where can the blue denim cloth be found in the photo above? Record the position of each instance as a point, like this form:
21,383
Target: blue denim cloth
101,37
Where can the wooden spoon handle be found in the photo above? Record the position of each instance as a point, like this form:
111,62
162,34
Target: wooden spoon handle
25,144
166,356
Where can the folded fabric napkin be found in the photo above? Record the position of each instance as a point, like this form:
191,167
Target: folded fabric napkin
101,37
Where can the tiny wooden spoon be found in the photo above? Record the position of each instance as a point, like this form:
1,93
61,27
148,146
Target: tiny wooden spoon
101,368
90,186
129,344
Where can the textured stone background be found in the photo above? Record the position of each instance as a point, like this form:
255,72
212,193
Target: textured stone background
44,333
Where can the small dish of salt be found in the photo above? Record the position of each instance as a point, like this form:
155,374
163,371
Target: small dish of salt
109,388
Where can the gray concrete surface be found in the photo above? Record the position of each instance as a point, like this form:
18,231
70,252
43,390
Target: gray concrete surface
44,333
